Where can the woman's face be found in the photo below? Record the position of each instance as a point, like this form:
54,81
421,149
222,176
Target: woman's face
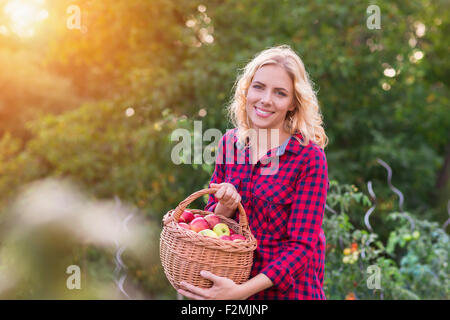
269,97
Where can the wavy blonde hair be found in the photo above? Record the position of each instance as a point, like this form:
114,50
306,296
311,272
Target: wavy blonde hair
306,118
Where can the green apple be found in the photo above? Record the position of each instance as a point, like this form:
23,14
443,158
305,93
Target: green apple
208,233
221,229
407,237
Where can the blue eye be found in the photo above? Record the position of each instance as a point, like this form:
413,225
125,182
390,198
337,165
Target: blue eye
257,86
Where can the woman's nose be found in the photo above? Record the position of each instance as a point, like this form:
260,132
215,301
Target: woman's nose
266,97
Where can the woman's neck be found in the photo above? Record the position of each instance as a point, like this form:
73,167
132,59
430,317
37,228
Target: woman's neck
267,139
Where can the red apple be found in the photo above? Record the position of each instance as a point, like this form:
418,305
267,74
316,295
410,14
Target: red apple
238,237
232,232
184,225
225,237
198,215
212,220
186,217
199,224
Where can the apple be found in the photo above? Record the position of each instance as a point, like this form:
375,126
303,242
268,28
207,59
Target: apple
225,237
238,237
232,232
198,215
184,225
199,224
407,237
208,233
221,229
186,217
212,220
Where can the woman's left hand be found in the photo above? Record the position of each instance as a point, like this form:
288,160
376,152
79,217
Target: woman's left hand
222,289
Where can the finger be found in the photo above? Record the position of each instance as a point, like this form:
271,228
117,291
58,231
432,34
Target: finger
210,276
224,189
219,193
231,186
228,194
232,201
229,202
193,289
237,199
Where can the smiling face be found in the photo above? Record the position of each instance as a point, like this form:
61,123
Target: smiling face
269,97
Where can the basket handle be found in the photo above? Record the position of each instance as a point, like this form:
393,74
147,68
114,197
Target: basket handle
243,222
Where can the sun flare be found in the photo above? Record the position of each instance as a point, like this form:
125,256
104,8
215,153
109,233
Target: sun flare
24,16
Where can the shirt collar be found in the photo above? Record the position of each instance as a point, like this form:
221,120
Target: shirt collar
282,149
294,145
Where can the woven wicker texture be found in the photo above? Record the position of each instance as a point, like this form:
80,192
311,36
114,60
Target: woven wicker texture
184,253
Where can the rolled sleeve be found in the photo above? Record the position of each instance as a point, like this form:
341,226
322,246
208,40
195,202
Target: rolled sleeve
279,276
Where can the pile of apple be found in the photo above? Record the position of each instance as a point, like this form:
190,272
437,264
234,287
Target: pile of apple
208,225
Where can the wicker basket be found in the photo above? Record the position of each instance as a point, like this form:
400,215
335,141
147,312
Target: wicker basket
185,253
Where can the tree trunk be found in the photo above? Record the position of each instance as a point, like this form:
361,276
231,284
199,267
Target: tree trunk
443,174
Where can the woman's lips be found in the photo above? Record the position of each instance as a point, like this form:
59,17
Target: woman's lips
262,114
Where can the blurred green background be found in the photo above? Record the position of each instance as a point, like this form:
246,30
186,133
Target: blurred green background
91,91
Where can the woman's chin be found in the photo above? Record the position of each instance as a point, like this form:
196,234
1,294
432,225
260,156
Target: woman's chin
262,125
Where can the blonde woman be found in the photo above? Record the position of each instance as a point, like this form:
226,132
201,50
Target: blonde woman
276,167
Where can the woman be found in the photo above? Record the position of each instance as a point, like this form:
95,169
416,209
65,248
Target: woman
282,184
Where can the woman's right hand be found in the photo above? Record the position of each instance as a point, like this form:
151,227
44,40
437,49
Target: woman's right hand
227,195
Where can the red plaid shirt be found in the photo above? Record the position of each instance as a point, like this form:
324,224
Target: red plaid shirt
285,208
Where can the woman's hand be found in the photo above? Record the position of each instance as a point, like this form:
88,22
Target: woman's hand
222,289
227,195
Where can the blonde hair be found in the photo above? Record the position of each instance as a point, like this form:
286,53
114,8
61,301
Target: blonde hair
306,118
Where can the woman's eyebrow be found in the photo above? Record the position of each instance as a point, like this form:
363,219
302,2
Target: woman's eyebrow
265,85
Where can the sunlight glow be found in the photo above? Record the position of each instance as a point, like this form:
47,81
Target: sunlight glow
420,29
129,112
24,15
416,56
389,72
